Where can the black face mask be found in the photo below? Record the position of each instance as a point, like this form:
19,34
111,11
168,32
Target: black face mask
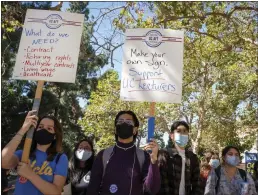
44,137
124,130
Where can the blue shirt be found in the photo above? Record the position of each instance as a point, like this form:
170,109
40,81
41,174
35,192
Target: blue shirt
45,169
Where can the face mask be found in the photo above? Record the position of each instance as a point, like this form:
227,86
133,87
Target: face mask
232,160
124,130
214,163
83,155
44,137
181,140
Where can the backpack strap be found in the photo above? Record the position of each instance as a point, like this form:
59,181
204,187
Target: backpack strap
218,172
105,158
243,174
58,157
141,157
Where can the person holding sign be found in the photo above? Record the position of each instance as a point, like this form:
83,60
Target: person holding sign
227,179
124,169
47,169
179,167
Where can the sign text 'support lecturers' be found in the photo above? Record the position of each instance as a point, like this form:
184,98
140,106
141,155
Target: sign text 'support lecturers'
152,65
49,46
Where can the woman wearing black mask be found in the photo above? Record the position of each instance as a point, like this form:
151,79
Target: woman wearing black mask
124,169
79,167
47,169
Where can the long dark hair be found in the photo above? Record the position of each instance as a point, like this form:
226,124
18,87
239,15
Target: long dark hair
75,171
56,145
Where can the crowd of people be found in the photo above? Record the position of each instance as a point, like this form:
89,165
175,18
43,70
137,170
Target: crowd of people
122,169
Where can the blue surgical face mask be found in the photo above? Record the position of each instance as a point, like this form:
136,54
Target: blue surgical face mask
181,140
214,163
232,160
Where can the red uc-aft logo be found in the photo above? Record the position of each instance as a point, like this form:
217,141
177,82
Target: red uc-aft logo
22,180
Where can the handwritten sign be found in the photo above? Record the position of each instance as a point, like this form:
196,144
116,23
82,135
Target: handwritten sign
152,65
49,46
250,159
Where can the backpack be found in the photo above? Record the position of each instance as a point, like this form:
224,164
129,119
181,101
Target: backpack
107,155
218,172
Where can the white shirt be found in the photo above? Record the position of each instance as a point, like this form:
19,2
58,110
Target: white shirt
182,182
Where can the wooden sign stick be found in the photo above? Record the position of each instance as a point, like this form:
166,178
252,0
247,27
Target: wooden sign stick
36,104
29,135
152,109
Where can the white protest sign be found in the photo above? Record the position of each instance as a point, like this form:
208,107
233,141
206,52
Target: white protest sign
152,65
49,46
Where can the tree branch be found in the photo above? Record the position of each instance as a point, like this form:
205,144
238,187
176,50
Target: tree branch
104,14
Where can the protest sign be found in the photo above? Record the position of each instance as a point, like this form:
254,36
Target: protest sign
49,46
250,159
152,65
48,51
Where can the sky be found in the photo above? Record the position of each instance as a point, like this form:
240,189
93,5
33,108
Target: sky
104,29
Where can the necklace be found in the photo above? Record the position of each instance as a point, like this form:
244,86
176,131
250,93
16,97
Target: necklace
124,148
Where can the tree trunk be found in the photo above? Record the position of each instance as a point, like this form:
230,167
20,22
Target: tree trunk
57,106
199,128
202,111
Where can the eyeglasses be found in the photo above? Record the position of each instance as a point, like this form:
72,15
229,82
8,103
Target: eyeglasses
127,121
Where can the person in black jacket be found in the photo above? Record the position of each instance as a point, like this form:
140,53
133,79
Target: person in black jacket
80,166
179,167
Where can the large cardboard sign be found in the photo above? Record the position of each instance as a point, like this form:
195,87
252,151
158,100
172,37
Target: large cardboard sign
49,46
152,65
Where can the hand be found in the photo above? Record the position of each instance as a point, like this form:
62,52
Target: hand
30,120
24,170
154,147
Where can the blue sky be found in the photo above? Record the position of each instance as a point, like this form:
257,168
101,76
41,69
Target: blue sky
104,29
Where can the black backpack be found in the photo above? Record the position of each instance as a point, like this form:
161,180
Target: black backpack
218,172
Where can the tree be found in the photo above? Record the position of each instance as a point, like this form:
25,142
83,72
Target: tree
14,101
59,99
216,53
220,65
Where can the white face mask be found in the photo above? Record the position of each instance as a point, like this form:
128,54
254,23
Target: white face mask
83,155
214,163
